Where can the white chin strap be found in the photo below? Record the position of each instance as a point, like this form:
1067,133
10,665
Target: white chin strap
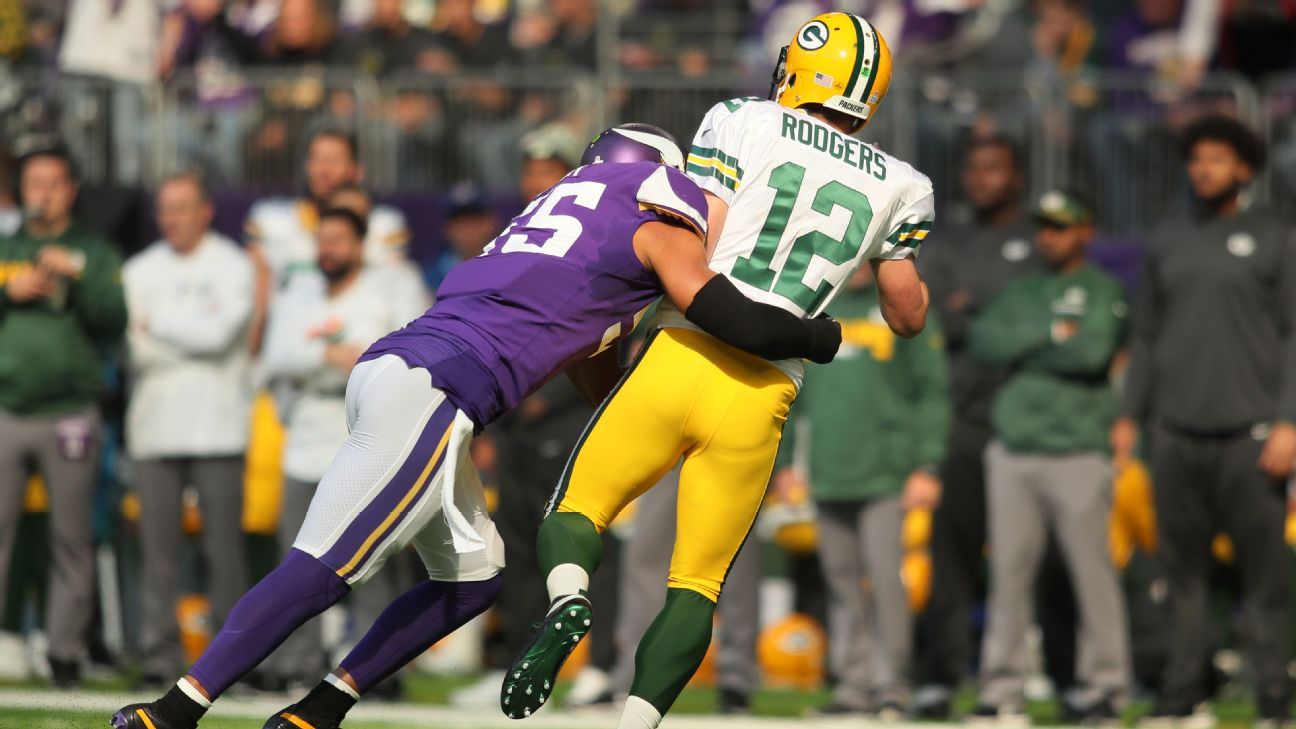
670,153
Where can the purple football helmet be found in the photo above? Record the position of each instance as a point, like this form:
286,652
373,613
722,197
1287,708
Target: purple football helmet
634,143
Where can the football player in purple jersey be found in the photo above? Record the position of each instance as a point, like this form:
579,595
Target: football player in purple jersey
555,291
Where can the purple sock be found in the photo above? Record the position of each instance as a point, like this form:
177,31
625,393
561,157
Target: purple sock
300,588
413,622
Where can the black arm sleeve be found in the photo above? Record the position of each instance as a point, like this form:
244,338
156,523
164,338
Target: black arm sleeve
766,331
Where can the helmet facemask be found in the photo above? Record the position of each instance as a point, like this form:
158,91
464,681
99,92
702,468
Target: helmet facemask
777,81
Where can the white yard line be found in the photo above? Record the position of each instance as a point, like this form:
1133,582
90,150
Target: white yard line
413,715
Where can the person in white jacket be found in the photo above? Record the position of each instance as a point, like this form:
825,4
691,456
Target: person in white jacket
322,321
189,297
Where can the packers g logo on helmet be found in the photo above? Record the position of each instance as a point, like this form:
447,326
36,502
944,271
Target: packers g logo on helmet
813,36
836,60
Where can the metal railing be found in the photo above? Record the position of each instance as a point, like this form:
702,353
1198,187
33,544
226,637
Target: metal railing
1114,136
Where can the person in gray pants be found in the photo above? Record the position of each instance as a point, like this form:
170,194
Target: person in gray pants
1047,468
645,561
867,434
60,303
189,297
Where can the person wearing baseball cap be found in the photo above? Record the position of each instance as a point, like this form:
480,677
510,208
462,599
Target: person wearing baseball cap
1047,467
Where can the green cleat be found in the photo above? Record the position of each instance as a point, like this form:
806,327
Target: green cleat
530,681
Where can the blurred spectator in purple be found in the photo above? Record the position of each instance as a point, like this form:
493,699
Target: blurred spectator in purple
564,36
207,39
387,43
1171,38
470,225
1131,137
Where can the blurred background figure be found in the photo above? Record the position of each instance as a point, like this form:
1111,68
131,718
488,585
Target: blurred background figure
1046,469
873,427
388,43
323,320
470,224
61,310
970,265
560,37
548,154
281,231
190,298
1212,381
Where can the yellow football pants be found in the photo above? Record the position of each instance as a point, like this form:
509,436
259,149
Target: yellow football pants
689,396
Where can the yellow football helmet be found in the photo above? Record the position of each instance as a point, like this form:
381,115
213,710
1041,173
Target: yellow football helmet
838,60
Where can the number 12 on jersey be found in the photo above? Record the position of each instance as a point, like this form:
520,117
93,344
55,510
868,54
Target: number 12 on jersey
757,268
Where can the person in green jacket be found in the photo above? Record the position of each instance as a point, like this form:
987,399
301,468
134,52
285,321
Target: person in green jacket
870,429
1047,469
61,302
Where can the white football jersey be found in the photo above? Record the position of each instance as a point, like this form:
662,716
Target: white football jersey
808,205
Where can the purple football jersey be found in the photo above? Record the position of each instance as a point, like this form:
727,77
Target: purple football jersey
561,283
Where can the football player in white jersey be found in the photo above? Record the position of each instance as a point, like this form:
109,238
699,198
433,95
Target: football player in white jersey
796,206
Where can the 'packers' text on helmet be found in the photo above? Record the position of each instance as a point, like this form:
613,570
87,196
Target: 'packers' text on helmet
837,60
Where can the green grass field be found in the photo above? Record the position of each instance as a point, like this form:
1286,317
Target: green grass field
432,692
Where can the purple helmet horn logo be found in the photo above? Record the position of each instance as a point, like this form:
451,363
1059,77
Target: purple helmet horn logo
634,143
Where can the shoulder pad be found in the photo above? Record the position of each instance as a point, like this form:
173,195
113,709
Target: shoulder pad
669,191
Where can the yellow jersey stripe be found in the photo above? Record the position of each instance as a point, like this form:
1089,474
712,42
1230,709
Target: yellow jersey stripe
712,162
409,496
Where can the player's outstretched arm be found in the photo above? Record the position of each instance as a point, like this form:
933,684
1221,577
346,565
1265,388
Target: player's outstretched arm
902,294
676,254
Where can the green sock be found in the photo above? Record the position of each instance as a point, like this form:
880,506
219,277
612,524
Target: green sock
673,648
568,538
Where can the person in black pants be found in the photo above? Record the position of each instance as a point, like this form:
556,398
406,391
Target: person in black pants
1213,377
980,258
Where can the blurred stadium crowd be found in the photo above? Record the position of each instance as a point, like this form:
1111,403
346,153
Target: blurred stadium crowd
288,180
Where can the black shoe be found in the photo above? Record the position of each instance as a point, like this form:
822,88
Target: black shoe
65,674
734,702
1165,715
286,719
1272,710
139,716
1003,716
836,708
1099,713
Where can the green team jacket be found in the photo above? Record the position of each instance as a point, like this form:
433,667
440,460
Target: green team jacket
1058,399
876,413
51,353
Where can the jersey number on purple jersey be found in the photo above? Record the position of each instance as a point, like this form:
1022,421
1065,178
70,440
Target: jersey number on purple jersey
539,215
